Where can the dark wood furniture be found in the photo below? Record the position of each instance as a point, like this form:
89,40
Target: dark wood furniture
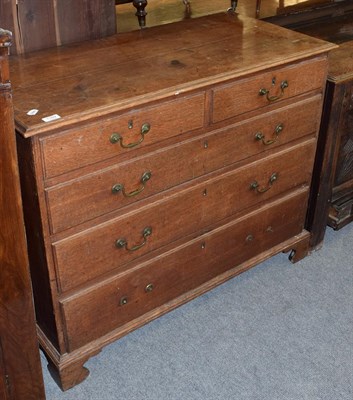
20,368
338,121
308,11
141,194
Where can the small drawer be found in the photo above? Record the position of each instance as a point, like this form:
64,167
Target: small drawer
122,240
104,191
112,137
121,299
267,88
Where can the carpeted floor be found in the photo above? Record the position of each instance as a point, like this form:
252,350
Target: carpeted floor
277,332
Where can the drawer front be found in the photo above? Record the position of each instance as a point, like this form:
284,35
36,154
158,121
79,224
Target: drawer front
105,191
264,89
96,142
101,249
121,299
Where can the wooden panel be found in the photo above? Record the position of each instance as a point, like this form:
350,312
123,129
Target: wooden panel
8,20
36,21
21,376
39,24
104,307
38,263
81,19
344,162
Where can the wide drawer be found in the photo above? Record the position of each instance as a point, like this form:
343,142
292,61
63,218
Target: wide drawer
109,138
119,300
257,92
101,249
93,195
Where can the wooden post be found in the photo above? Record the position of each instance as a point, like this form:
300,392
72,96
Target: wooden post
20,369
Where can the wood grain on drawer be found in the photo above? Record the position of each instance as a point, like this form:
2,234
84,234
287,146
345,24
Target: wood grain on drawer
244,95
121,299
93,252
104,191
92,143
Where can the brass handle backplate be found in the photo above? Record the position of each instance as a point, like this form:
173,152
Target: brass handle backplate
119,187
261,137
117,138
266,92
122,243
255,185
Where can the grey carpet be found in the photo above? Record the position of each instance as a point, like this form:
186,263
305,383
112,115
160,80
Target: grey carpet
277,332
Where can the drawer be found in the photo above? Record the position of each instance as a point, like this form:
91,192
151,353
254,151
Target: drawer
108,190
261,90
79,147
119,300
101,249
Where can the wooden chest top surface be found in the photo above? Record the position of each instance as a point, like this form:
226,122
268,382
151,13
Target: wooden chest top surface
92,79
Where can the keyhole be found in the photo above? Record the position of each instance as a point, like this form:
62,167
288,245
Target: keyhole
249,238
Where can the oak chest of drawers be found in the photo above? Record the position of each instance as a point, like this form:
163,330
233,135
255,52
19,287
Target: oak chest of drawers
156,165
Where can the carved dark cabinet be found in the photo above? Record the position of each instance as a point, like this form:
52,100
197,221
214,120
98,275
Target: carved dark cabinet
338,116
340,87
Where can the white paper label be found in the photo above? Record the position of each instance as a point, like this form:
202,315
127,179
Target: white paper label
32,112
51,118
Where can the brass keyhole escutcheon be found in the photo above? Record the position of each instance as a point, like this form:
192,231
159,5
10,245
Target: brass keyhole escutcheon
249,238
149,288
123,301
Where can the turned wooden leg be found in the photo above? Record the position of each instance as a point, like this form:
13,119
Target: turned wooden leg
258,6
69,375
140,6
233,5
187,5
